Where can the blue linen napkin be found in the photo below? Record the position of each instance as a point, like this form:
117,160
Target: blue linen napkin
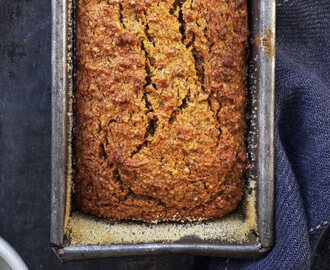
302,137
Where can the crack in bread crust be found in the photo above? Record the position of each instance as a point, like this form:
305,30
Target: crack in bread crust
159,108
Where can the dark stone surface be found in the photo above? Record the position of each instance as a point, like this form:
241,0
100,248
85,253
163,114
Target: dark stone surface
25,136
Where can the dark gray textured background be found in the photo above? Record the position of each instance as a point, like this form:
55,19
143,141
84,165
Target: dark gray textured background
25,130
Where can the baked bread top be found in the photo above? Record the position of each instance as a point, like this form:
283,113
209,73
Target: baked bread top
159,108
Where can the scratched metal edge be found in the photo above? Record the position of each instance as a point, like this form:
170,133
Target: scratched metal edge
59,111
264,14
264,60
92,252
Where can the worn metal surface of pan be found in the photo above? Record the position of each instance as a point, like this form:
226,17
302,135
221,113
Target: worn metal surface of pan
245,233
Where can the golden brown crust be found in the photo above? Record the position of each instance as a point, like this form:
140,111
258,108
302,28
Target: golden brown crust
160,100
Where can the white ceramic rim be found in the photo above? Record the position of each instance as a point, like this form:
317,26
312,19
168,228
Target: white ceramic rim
11,257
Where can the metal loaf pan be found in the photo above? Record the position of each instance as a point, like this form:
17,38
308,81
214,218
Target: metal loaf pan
245,233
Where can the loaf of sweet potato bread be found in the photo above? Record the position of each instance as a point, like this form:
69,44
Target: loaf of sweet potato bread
159,108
